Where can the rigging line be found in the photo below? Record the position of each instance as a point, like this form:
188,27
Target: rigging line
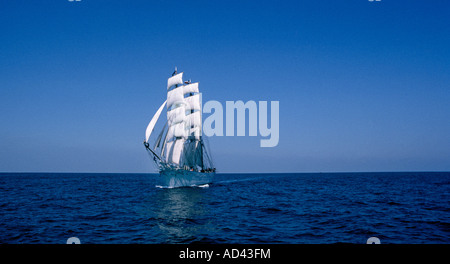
158,141
164,142
154,158
208,150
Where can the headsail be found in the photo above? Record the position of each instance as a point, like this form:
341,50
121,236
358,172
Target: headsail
152,123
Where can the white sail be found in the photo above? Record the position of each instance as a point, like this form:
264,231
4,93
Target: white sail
195,132
174,80
180,130
168,151
193,102
176,131
176,115
173,151
176,152
194,120
175,97
191,88
152,123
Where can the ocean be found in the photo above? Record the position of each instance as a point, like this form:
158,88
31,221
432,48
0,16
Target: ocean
293,208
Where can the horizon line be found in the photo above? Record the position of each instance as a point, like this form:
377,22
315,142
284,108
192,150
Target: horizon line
311,172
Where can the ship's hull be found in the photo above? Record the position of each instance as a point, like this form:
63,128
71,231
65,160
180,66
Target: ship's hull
172,178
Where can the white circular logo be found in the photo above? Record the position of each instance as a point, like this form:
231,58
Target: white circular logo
373,240
73,240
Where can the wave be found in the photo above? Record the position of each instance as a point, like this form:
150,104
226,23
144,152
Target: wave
236,180
192,186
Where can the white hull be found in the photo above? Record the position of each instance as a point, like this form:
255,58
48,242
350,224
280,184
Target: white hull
172,178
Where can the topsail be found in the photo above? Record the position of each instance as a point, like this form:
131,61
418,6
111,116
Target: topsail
175,80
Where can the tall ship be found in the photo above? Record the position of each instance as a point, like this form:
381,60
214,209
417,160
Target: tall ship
179,151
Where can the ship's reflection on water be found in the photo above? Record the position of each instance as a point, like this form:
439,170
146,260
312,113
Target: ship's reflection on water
182,215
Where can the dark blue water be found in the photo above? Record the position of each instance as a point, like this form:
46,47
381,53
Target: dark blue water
238,208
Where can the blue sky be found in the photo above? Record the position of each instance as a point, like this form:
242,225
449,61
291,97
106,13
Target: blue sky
362,86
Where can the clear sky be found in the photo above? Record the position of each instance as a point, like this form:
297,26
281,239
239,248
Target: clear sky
362,86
